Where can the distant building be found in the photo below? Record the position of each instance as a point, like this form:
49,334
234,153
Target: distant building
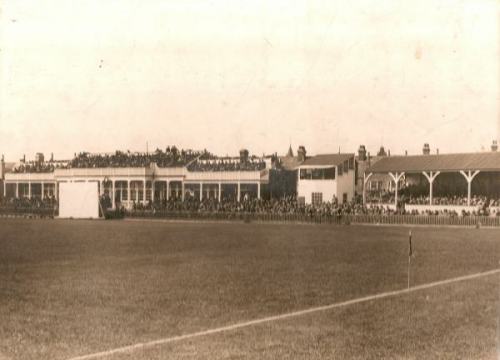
326,177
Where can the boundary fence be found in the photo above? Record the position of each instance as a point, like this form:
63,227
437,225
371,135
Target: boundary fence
346,219
438,220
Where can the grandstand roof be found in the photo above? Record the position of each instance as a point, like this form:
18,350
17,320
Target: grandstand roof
485,161
327,159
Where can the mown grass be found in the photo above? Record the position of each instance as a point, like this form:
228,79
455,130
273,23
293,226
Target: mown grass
74,287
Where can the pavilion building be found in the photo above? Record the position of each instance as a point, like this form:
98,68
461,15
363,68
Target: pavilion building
141,184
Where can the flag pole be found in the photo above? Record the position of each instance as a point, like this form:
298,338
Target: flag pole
409,267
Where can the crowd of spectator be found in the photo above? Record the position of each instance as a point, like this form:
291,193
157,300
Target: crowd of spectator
290,205
479,201
228,164
49,202
36,167
284,206
475,200
168,158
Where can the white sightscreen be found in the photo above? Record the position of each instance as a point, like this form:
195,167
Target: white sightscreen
78,200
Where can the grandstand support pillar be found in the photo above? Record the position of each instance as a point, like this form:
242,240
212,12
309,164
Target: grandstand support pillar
113,194
201,191
469,176
182,187
168,190
152,191
430,177
43,188
365,181
56,190
4,189
220,192
396,177
128,193
29,189
144,189
239,192
258,190
17,189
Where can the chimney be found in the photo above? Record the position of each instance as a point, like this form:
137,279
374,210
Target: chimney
426,149
406,152
494,146
243,155
381,152
389,152
51,157
301,153
362,153
39,158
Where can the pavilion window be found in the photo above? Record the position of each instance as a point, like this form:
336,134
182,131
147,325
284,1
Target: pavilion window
317,198
133,191
149,187
305,174
317,174
330,173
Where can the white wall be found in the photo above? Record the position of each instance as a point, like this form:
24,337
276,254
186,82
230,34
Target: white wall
78,200
305,188
345,184
330,188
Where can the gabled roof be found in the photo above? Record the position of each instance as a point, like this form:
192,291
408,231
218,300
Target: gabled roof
327,159
485,161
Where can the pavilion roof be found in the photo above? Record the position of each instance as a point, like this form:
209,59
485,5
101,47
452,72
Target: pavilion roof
483,161
327,159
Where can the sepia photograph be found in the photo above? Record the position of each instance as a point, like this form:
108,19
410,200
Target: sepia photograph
228,179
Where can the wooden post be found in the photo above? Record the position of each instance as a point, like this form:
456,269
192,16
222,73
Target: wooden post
430,177
113,194
396,177
469,176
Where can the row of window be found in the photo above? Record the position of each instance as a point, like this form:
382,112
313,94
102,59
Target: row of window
328,173
317,174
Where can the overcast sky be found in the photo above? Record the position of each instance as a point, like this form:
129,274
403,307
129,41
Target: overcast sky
104,75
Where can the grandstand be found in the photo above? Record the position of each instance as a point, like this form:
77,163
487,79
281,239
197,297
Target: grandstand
327,184
139,178
459,183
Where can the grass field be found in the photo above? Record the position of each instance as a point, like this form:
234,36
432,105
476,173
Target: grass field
70,288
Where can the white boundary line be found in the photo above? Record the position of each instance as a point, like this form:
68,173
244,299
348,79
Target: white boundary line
130,348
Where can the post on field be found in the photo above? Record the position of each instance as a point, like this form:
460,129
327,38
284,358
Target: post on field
410,254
